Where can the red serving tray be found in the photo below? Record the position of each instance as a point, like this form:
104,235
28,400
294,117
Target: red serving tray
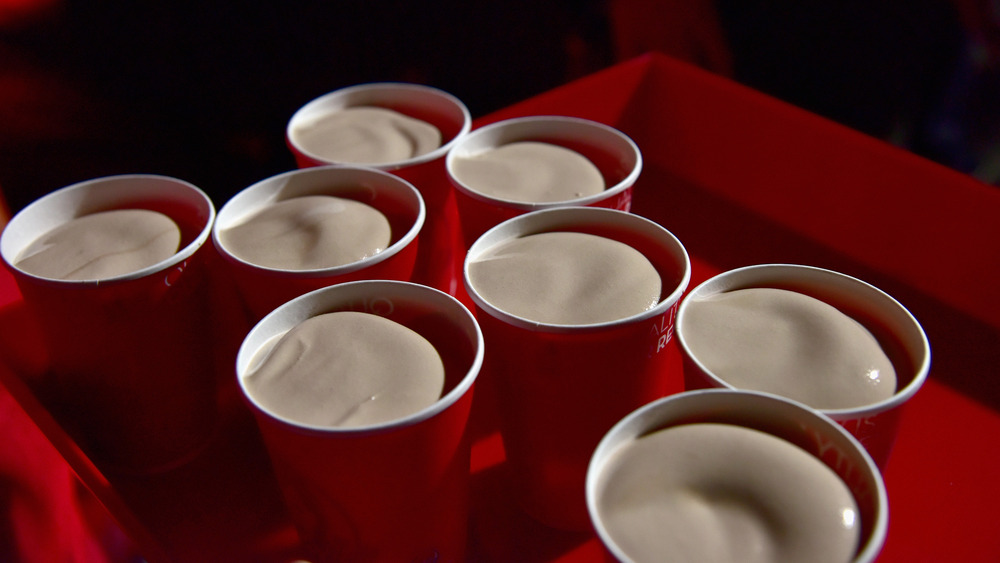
740,178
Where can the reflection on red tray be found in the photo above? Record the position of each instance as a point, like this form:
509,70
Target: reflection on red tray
741,179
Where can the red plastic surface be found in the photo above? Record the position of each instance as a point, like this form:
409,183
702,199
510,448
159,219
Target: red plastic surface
740,178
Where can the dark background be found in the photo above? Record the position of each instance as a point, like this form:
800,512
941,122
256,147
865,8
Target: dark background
202,90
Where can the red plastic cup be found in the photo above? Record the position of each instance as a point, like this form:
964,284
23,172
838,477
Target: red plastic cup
559,388
614,154
897,331
438,263
397,491
786,419
264,288
131,375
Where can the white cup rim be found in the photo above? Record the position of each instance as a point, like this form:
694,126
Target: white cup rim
270,187
644,418
362,90
568,216
76,200
534,126
324,300
719,283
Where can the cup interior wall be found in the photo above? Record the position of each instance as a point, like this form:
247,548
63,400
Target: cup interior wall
818,436
187,206
447,325
665,253
892,328
614,157
399,202
437,108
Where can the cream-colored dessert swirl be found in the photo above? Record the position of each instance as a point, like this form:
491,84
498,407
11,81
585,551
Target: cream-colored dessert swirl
346,369
309,232
366,135
102,245
713,493
529,171
566,278
790,344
